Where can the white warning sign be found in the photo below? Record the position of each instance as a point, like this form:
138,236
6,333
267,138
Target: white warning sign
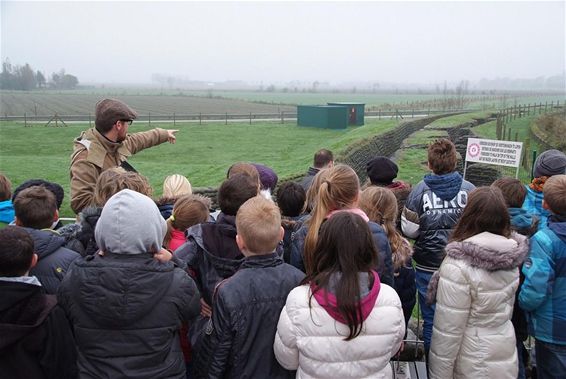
501,153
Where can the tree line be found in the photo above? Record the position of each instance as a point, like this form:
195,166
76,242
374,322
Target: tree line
24,78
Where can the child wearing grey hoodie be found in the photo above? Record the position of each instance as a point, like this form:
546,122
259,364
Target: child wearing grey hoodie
126,306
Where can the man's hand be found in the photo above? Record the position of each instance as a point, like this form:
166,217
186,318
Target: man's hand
171,135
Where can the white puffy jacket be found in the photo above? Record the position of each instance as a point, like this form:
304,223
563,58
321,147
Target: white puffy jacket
472,335
310,341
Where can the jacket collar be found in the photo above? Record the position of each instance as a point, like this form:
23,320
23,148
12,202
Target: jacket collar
490,252
97,151
259,261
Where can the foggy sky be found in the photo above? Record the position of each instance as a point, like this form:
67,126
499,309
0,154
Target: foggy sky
423,42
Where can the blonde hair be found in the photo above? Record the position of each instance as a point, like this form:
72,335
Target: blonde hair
312,192
176,185
258,223
188,210
555,194
339,190
114,180
380,205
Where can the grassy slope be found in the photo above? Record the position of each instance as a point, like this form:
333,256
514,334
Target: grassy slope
203,152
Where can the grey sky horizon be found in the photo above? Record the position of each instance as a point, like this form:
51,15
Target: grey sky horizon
272,42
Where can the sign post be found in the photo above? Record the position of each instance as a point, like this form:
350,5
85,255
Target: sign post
499,153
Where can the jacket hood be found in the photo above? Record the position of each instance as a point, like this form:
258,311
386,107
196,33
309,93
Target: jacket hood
6,211
327,299
491,252
130,223
69,231
23,308
220,237
444,186
520,218
558,226
45,241
118,289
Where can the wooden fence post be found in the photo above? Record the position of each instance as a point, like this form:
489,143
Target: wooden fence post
174,120
25,120
149,118
226,118
250,118
282,117
89,120
200,118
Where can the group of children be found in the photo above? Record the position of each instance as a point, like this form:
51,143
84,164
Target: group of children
319,283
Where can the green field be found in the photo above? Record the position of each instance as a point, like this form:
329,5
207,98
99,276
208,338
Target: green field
166,102
203,152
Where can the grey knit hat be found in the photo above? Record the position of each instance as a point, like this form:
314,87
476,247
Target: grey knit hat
130,223
551,162
108,111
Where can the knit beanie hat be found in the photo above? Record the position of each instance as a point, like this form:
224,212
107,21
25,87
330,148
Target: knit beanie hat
267,177
551,162
130,223
55,188
381,170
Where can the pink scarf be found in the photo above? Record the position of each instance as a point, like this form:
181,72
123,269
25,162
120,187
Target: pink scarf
356,211
328,301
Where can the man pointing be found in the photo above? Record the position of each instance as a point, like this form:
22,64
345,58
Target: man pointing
107,145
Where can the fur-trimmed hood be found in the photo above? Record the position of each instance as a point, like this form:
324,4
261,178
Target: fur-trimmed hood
501,254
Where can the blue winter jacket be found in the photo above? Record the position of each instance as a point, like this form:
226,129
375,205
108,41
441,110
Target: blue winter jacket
6,212
543,294
533,206
385,270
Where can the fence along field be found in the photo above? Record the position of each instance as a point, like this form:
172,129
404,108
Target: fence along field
78,105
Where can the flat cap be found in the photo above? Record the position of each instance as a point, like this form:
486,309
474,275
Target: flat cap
108,111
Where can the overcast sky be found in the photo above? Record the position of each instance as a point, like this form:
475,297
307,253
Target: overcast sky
422,42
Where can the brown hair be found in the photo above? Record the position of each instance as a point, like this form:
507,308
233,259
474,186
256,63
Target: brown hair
16,251
555,194
258,223
322,158
5,188
339,190
485,211
246,169
35,207
345,247
442,156
312,192
380,205
234,192
112,181
188,210
513,191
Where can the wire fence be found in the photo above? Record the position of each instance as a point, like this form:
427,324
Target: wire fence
532,144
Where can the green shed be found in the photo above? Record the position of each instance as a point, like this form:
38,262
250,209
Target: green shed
356,112
323,116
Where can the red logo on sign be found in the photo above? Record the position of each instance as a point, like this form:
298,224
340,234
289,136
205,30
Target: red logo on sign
474,150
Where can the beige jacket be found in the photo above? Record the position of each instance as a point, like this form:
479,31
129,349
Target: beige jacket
475,288
94,153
